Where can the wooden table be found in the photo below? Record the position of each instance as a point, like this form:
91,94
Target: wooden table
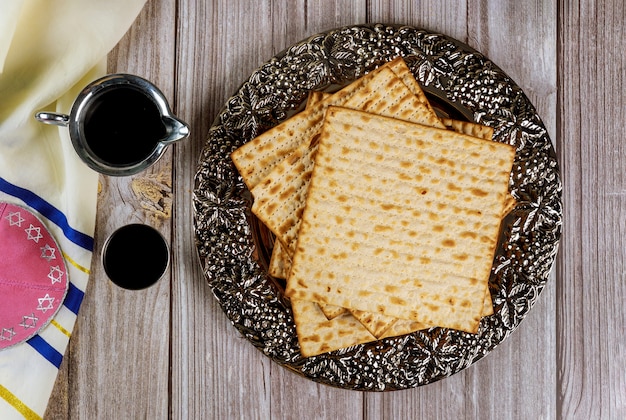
169,351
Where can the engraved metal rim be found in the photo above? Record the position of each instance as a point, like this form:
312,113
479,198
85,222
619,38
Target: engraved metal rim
232,247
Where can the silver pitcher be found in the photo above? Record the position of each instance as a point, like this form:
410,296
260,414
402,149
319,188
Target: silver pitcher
106,146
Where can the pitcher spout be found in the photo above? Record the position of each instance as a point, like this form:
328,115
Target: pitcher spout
176,130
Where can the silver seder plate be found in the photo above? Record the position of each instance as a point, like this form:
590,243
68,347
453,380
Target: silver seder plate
234,248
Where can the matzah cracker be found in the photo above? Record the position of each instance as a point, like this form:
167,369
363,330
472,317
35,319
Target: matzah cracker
376,324
280,262
332,311
509,204
315,97
316,334
400,68
406,217
383,326
469,128
402,327
255,159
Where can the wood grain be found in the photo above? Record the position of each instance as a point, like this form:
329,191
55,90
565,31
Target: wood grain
531,63
481,24
591,271
214,376
289,389
170,352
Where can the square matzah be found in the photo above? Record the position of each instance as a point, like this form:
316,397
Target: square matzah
401,219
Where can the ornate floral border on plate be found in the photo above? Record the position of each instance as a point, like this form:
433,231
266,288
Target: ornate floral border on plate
234,248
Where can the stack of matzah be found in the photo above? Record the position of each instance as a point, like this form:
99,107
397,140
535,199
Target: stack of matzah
386,222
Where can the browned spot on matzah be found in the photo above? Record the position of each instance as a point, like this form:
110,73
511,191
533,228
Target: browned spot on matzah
479,192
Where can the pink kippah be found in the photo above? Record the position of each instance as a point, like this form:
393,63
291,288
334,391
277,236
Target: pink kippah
33,275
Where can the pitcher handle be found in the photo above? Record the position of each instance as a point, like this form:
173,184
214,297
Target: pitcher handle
53,118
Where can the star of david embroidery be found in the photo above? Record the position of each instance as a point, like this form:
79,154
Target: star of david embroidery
29,321
55,274
47,301
7,334
15,219
47,252
34,233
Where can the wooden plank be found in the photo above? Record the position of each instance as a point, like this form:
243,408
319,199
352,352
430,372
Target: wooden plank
499,385
215,372
521,39
592,267
117,364
211,359
431,401
447,17
293,394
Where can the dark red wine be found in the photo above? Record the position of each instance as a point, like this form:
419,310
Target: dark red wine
135,256
123,126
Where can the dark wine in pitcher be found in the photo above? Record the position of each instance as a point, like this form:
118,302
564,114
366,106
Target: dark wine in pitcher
123,126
